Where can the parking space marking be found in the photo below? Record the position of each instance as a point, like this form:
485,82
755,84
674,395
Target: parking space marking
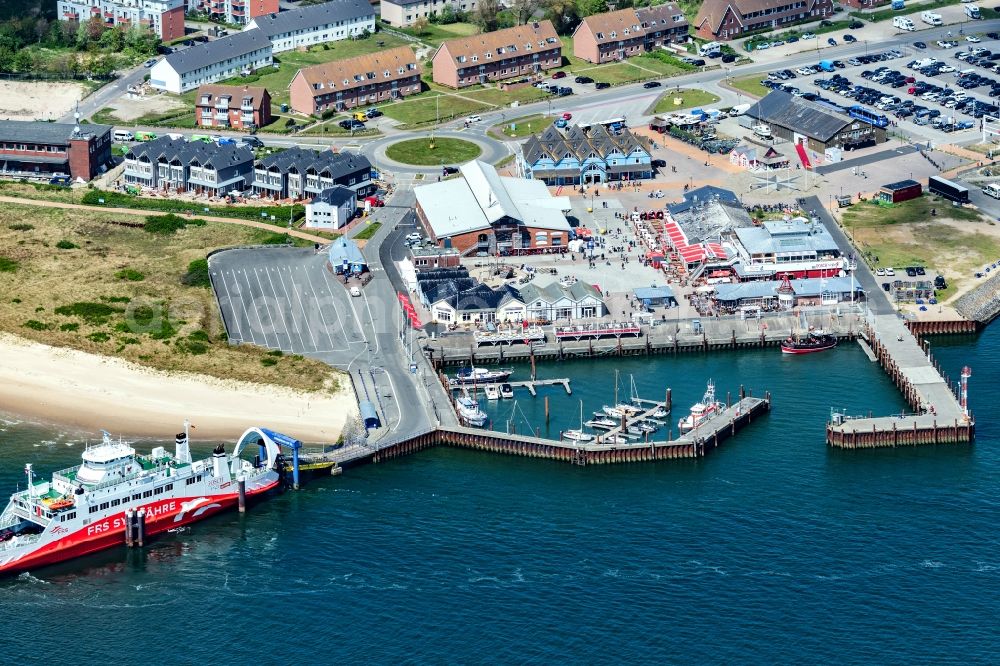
234,316
267,306
280,305
302,309
256,312
326,279
326,325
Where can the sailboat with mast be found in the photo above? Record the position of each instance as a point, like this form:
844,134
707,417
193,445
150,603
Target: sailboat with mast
578,435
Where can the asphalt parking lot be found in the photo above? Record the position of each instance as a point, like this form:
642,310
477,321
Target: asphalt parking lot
807,83
286,299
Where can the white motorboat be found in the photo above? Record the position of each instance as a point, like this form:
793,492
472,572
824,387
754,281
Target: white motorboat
578,436
469,412
473,375
506,391
603,423
492,391
701,411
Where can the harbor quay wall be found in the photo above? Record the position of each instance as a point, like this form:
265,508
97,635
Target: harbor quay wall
953,327
689,446
982,304
899,433
673,338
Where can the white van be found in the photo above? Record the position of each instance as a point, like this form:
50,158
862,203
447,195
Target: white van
903,23
972,11
708,49
930,18
123,136
992,190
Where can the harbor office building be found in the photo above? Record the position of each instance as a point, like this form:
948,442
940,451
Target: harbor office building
796,248
815,126
519,52
578,156
483,213
30,148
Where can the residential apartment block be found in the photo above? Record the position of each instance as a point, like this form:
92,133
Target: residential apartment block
233,107
596,156
298,173
343,84
728,19
316,24
238,12
30,148
223,58
628,32
403,13
178,165
164,17
521,51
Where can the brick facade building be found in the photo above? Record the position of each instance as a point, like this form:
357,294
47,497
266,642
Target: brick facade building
628,32
232,107
382,76
164,17
517,52
729,19
30,148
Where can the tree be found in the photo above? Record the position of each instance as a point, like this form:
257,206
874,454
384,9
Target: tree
591,7
112,40
6,59
41,29
485,15
523,10
421,25
564,14
23,62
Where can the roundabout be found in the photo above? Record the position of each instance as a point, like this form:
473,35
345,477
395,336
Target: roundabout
436,151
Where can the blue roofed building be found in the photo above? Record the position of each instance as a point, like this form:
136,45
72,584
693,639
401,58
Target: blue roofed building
592,155
780,294
656,297
345,257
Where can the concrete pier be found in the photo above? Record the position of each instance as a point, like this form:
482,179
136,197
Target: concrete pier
696,444
939,416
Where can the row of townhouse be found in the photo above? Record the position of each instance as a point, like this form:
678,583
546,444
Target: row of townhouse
299,173
729,19
463,300
236,12
628,32
176,165
592,156
517,52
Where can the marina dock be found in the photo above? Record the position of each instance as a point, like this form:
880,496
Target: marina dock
940,412
695,444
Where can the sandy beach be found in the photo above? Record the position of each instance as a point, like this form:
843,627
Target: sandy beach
91,392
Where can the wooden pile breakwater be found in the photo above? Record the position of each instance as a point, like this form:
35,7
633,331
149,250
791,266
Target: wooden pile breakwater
695,444
940,414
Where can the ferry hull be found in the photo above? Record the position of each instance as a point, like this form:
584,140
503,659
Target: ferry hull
109,532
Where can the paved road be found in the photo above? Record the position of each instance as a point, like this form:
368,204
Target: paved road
108,93
878,301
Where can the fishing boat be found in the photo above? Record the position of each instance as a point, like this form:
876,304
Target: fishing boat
506,391
578,435
88,508
701,411
473,375
469,412
815,341
492,391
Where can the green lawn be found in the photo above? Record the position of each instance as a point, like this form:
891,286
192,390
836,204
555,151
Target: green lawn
498,97
445,151
688,99
289,62
368,231
423,110
435,34
331,128
523,126
751,85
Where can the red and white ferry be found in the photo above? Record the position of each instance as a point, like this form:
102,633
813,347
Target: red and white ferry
82,509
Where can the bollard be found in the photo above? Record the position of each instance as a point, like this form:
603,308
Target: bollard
129,521
546,410
242,495
140,528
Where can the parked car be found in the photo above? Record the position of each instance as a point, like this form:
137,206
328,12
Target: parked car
728,58
855,25
651,84
583,79
449,170
567,116
373,113
602,85
564,91
660,164
150,62
920,45
849,38
559,75
831,41
808,35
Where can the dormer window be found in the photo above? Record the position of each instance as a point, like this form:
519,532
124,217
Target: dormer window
488,55
600,35
475,58
613,34
385,73
460,58
625,31
205,99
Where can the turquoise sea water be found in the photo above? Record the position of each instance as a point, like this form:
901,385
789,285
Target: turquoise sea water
772,549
